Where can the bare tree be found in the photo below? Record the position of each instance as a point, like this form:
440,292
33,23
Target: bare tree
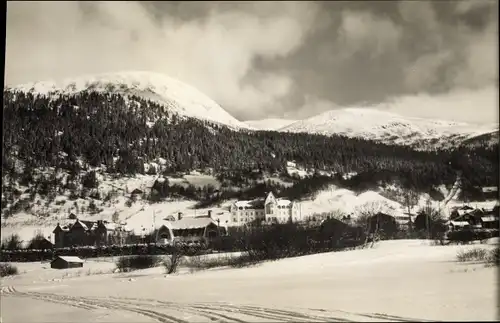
115,217
173,260
366,211
410,200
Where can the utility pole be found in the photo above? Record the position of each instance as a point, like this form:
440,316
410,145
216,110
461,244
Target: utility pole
427,218
154,226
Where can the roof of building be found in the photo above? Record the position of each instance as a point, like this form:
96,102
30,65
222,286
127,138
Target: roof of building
110,226
253,204
459,223
283,202
87,225
70,259
490,218
191,223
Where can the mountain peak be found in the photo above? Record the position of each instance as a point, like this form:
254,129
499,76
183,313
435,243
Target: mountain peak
389,127
176,95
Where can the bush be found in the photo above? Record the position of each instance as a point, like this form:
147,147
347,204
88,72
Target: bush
13,242
461,236
8,270
130,263
493,257
476,254
173,260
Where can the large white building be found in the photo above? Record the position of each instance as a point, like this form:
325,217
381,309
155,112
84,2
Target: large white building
270,210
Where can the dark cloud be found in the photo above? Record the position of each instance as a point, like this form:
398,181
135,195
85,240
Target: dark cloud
274,59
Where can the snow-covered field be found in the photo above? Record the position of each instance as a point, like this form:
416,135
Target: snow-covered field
405,280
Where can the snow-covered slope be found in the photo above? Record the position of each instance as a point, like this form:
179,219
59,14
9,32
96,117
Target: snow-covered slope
176,95
269,124
388,127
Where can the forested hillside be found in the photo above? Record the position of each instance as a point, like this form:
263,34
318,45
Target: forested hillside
122,133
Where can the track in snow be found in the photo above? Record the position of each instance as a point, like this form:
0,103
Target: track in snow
172,312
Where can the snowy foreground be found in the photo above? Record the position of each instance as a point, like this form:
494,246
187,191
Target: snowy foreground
402,280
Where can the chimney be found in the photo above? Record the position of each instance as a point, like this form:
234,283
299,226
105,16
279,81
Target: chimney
210,214
179,215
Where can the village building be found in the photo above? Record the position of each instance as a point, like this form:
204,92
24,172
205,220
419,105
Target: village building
270,210
89,233
65,262
184,229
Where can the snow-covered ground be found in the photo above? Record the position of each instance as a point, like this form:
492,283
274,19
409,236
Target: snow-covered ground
395,281
269,124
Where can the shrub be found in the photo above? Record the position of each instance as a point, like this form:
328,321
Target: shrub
8,270
476,254
493,257
13,242
199,262
130,263
461,236
173,260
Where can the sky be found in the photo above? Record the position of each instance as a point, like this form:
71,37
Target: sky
293,60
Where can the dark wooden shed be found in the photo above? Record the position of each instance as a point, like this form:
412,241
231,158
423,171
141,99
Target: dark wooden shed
64,262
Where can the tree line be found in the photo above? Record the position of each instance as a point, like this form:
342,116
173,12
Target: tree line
123,133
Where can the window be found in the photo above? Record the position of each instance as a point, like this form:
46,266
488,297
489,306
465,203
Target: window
235,220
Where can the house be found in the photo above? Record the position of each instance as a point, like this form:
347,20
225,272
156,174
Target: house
64,262
243,212
89,233
382,223
403,220
458,225
60,236
190,230
42,244
489,222
270,210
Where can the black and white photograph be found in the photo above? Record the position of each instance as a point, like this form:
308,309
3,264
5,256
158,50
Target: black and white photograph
250,161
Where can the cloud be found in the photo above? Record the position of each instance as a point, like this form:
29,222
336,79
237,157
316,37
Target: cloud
451,56
279,59
48,40
364,32
461,104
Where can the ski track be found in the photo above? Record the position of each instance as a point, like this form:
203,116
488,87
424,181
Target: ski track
203,312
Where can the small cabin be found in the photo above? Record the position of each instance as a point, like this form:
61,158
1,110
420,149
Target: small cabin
65,262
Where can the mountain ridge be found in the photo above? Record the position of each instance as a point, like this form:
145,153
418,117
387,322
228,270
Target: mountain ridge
178,96
390,128
355,122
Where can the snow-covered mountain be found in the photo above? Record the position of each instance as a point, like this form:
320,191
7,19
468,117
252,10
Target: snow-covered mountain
269,124
391,128
174,94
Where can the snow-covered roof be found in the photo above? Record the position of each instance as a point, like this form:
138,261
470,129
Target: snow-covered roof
490,218
283,202
189,223
71,259
87,225
459,223
254,204
111,226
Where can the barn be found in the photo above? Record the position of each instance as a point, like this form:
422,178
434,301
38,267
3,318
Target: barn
64,262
